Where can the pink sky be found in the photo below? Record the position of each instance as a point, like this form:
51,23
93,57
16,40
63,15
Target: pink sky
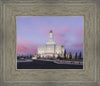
34,31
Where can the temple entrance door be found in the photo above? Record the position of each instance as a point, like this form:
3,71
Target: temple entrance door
48,56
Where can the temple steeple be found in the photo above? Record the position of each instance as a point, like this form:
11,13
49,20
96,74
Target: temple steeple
51,34
51,40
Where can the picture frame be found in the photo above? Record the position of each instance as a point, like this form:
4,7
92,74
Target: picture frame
90,73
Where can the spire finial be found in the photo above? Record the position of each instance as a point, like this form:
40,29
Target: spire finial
50,31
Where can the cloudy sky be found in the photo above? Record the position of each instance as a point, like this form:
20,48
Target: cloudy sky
34,31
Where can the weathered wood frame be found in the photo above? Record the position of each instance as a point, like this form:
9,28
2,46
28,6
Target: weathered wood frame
88,75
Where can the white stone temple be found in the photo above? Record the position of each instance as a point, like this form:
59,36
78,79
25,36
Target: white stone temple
50,49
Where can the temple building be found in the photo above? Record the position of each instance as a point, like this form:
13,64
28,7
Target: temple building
50,49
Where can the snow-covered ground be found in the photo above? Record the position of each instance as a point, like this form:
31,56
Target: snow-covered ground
55,61
64,62
28,60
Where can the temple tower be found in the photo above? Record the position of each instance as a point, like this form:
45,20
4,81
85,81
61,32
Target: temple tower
51,40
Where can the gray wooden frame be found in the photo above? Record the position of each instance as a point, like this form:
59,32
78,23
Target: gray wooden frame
87,76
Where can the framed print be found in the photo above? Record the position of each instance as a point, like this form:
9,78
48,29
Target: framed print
63,49
50,43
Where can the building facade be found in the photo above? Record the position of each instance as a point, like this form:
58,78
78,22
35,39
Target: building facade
50,49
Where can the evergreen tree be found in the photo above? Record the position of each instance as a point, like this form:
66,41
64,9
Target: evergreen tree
65,54
70,56
76,55
80,55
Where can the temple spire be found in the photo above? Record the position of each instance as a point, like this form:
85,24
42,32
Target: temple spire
50,31
51,40
51,34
